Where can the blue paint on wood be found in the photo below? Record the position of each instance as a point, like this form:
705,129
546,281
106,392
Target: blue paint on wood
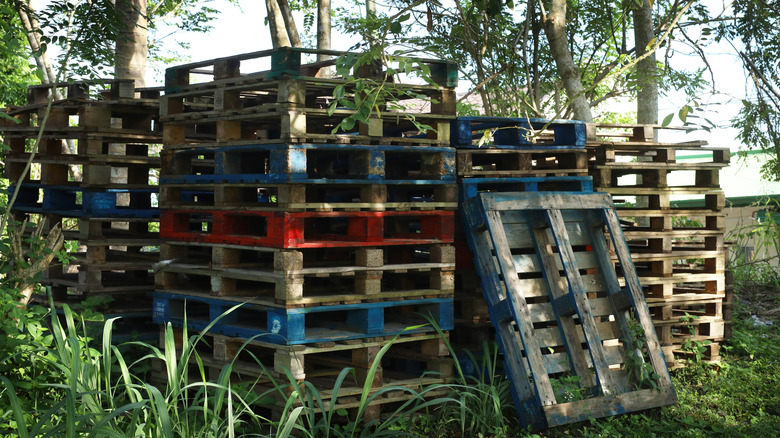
280,325
501,312
470,187
567,133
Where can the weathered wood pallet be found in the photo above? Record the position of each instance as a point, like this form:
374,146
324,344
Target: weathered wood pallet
253,163
682,239
285,62
310,277
95,173
660,199
625,132
565,232
279,325
672,218
650,155
466,132
539,162
75,201
683,176
470,187
318,362
308,229
312,195
309,125
84,284
414,361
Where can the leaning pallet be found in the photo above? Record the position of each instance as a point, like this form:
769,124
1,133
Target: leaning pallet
559,309
679,252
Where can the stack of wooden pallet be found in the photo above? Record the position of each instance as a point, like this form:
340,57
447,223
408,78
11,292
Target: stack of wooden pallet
331,244
92,173
497,154
679,252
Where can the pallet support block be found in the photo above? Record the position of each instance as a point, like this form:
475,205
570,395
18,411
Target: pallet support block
584,306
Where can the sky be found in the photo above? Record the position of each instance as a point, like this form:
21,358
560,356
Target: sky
240,30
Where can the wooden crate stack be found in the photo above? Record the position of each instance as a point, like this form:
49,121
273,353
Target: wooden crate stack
497,154
102,194
679,252
332,244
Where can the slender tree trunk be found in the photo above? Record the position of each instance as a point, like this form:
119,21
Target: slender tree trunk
371,13
555,28
132,48
289,23
279,36
32,29
647,95
323,34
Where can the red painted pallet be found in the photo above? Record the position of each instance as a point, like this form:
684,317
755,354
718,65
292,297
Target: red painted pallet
308,229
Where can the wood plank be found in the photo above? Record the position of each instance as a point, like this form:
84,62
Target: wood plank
523,316
584,311
642,312
577,356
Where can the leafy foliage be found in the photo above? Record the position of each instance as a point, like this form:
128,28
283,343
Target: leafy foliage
15,70
501,50
755,34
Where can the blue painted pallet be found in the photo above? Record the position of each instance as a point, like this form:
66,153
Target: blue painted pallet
513,132
64,200
301,325
470,187
547,273
297,162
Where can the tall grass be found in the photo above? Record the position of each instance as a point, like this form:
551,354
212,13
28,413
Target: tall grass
103,392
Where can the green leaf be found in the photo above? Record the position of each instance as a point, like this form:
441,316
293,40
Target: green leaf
683,114
395,27
667,120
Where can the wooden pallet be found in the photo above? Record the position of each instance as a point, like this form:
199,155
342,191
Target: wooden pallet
310,277
414,361
466,132
279,325
470,187
663,176
564,232
496,162
245,162
75,201
312,195
652,154
279,63
618,133
308,125
308,229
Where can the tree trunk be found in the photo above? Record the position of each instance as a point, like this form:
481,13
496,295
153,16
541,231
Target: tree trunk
647,95
555,28
26,268
279,37
32,29
372,36
323,34
289,23
132,48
